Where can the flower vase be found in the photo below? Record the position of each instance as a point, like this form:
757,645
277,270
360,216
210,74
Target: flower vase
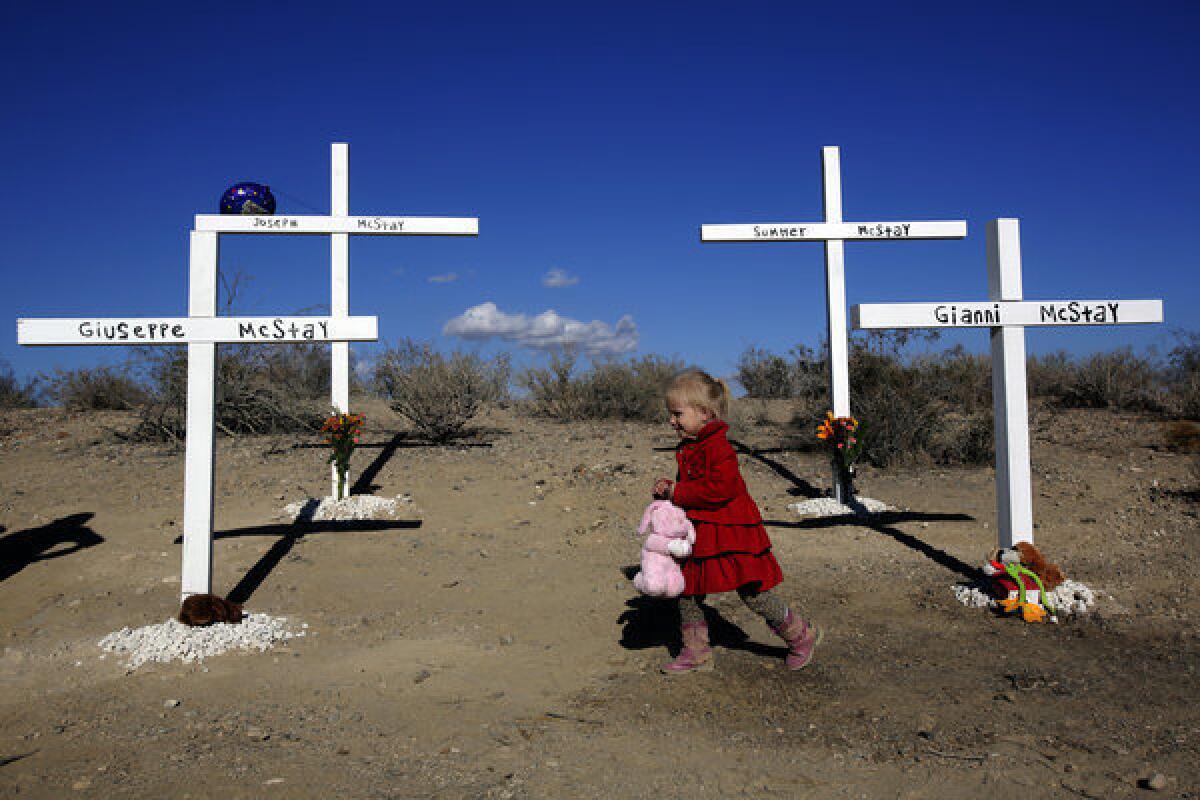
843,485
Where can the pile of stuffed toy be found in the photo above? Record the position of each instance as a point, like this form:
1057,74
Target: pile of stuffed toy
1022,582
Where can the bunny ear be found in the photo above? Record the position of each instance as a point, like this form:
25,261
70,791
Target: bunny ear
646,518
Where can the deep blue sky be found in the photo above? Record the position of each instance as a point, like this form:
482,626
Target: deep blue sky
596,138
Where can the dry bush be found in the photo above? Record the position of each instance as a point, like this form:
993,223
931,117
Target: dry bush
439,394
107,388
764,375
260,390
1183,377
938,407
891,398
1118,380
1050,376
552,391
631,390
934,408
15,393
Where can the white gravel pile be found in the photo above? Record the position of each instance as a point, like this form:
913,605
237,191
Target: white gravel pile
1069,597
972,596
1072,597
174,641
829,507
355,506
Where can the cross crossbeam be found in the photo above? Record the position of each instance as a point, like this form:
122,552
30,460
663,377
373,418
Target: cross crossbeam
317,224
184,330
826,231
869,316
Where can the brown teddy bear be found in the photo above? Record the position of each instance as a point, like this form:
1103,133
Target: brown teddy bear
199,610
1033,560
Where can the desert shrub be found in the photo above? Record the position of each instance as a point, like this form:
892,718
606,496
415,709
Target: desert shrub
902,407
764,375
15,393
769,376
1183,377
965,378
552,391
106,388
934,408
439,394
260,390
1117,380
631,390
1050,376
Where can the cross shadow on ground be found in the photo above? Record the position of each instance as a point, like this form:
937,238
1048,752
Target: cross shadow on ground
885,523
365,482
22,548
289,533
799,487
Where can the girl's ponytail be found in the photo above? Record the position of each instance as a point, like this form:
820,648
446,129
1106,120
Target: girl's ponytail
724,398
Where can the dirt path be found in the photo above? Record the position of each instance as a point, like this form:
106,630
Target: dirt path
494,648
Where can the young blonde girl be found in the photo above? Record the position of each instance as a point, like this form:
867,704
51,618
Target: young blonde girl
732,550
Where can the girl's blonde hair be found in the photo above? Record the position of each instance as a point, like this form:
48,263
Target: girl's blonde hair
701,390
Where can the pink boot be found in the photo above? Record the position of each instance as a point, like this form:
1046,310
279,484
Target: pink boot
802,638
696,655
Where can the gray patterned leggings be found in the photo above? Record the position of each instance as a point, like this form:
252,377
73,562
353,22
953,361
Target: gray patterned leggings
768,606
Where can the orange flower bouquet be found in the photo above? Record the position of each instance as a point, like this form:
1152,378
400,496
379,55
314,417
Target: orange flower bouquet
843,438
341,433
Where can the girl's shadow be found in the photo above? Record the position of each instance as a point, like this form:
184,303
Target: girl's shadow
653,623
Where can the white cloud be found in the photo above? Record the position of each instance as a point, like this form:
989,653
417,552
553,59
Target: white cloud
547,331
558,278
449,277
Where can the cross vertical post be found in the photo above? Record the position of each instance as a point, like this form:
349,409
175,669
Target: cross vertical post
1014,492
199,463
835,287
835,304
339,302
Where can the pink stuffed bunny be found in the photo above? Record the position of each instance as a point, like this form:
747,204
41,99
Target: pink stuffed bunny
671,536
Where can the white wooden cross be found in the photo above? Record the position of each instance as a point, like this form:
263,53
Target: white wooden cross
339,226
834,232
1007,315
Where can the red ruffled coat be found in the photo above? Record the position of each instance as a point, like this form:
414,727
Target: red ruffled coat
732,548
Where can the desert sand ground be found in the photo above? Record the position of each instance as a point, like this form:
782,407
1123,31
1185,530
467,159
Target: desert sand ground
492,646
